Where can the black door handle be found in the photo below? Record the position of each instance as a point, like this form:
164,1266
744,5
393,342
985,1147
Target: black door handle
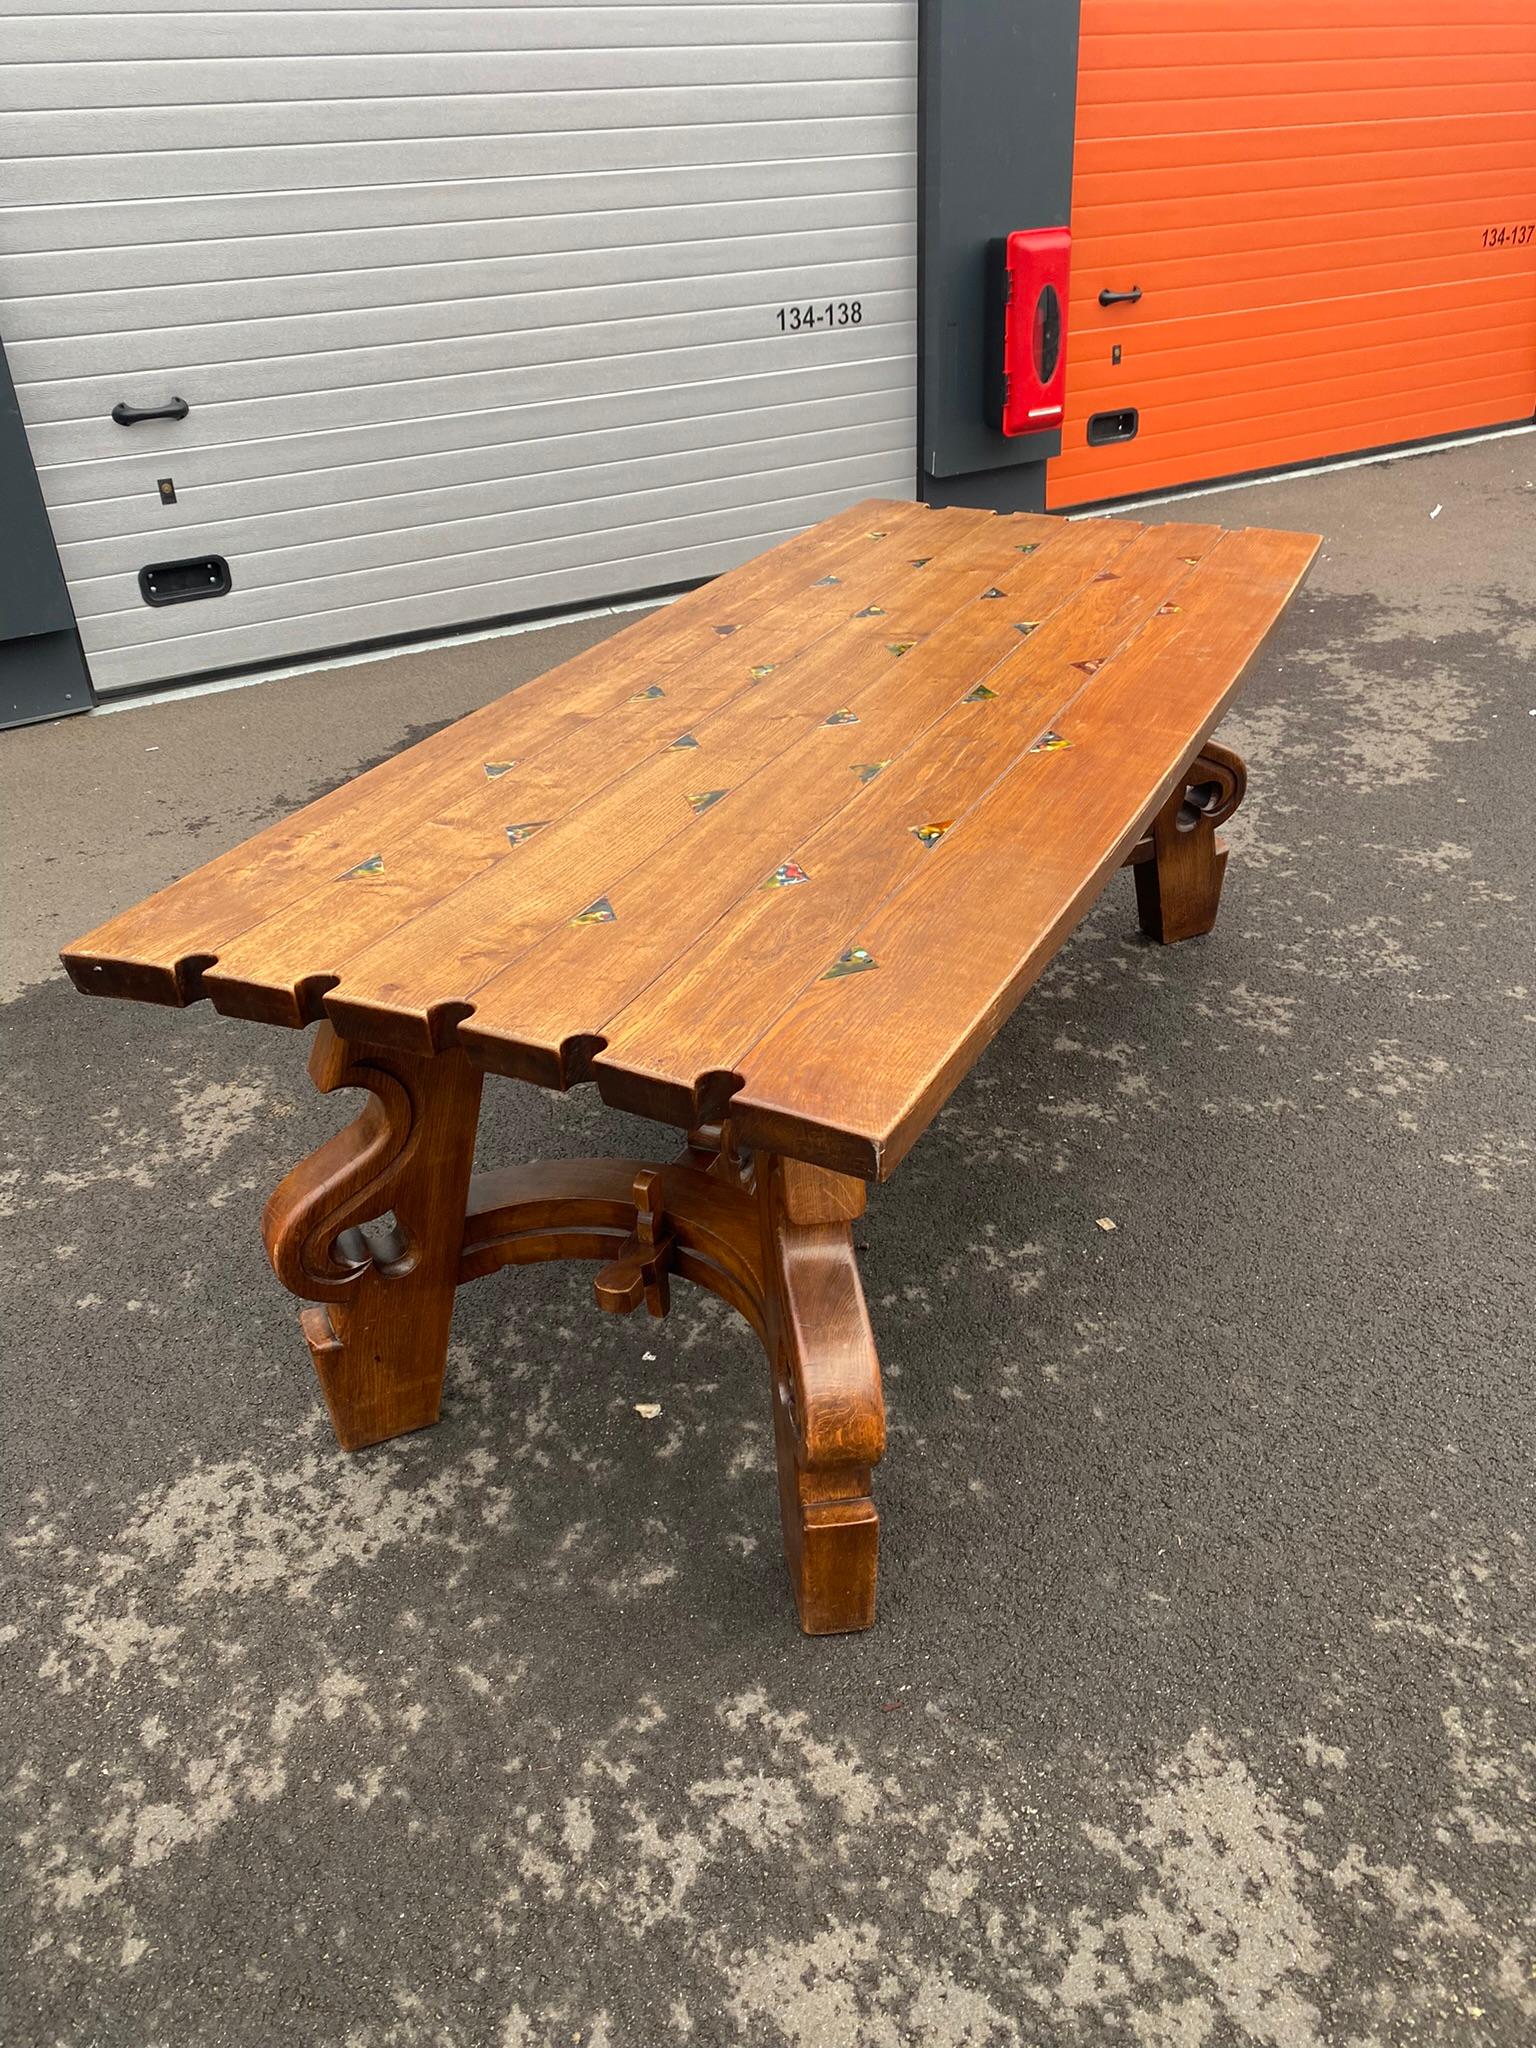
1130,298
129,415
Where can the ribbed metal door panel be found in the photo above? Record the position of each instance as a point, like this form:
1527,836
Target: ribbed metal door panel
1310,195
475,308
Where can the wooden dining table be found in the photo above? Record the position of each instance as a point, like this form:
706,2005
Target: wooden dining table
771,866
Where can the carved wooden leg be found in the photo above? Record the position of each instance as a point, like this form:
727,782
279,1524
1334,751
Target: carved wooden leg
828,1411
1179,869
380,1339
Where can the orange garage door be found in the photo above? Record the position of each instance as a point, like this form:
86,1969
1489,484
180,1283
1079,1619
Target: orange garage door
1329,210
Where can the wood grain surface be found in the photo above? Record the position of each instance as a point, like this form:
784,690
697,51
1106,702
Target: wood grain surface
796,843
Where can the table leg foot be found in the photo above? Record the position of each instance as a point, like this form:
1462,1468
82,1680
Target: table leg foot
1179,868
828,1410
369,1229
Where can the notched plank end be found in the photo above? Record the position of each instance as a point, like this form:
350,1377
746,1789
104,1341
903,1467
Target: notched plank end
294,1008
431,1030
559,1067
663,1098
173,984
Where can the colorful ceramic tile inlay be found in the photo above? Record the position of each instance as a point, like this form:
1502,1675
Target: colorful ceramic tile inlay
1090,668
1049,743
1107,576
725,632
919,561
826,582
374,865
876,536
899,647
866,771
600,912
764,668
494,770
517,834
994,592
930,835
980,695
857,960
1029,547
843,717
648,694
701,800
1024,627
871,611
785,877
1166,610
683,740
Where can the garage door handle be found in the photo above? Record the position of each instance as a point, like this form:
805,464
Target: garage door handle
130,415
1130,298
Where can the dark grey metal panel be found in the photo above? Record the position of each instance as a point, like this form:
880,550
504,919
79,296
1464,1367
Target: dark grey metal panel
997,105
42,670
33,597
1016,488
42,675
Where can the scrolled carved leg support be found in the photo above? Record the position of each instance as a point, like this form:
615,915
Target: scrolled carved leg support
379,1337
1180,865
770,1236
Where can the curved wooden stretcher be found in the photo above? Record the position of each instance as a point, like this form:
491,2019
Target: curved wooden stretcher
772,866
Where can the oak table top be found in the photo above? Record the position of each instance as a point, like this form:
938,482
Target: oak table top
795,844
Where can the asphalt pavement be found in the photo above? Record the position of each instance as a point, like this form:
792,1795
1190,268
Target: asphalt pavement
1199,1708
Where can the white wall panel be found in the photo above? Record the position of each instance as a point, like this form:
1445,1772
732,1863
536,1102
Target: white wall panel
548,573
386,465
321,122
209,179
449,517
529,370
469,261
275,233
475,308
454,372
162,34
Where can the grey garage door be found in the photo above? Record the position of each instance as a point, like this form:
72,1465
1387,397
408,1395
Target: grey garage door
476,310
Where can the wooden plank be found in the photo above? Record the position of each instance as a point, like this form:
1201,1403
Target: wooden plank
417,981
154,952
621,776
541,1017
673,1053
853,1070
